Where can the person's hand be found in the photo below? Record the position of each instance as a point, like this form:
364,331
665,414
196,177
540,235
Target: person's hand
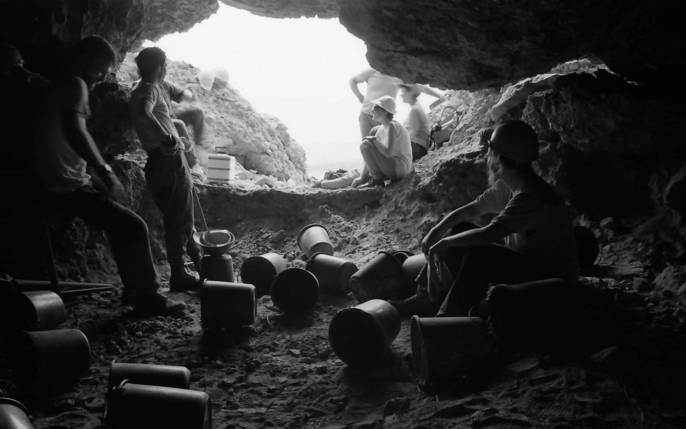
113,186
430,239
439,249
357,182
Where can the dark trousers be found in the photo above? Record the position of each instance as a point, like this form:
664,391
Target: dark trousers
418,151
126,231
169,182
475,269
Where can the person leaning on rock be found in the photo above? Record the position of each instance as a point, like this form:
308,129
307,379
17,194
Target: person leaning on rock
387,152
166,172
62,152
532,221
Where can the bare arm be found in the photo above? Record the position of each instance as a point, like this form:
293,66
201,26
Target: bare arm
355,89
430,91
80,139
466,212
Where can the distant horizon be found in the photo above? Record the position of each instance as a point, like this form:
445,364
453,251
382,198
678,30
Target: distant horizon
283,71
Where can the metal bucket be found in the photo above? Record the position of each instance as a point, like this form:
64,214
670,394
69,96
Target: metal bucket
412,267
217,268
550,316
314,238
49,362
362,335
13,415
260,271
33,311
332,273
449,350
295,290
401,255
154,375
225,305
214,241
382,278
138,406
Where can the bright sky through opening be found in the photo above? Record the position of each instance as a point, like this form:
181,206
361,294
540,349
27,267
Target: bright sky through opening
295,69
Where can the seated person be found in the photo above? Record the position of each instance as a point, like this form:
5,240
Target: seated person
64,149
417,124
387,153
531,218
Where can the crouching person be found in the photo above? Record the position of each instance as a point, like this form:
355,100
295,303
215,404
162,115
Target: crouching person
166,172
387,153
64,149
532,222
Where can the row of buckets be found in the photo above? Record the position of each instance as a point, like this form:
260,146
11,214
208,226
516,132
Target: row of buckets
139,396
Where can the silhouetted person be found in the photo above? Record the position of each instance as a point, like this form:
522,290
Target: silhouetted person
531,220
64,151
166,172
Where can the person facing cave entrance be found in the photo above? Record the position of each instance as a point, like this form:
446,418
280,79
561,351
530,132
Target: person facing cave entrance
417,124
387,152
531,219
166,172
64,149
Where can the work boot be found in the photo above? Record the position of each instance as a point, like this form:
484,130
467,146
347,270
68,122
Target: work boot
415,304
182,281
155,304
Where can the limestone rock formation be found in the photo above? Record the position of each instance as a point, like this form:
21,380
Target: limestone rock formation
258,142
288,8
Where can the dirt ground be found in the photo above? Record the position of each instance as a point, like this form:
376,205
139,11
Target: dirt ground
282,372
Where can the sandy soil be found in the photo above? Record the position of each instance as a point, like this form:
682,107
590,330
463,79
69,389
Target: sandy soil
282,372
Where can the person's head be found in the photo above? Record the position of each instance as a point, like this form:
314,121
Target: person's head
409,93
9,58
513,146
152,64
383,109
93,58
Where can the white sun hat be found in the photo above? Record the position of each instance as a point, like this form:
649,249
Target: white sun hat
387,103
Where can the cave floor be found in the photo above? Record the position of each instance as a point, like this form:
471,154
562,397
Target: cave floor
282,372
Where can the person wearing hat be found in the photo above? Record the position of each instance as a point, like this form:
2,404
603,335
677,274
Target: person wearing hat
532,223
387,153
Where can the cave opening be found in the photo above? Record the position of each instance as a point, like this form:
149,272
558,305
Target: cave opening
609,143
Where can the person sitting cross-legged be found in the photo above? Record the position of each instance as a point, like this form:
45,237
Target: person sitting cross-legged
532,221
387,153
64,149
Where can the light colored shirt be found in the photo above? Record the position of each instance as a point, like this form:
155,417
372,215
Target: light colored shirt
532,226
417,126
57,164
395,138
159,97
378,85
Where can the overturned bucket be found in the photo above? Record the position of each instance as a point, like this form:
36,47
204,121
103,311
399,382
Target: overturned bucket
551,316
333,273
13,415
154,375
260,271
138,406
49,362
295,290
217,268
381,278
225,305
412,267
33,311
362,335
449,350
314,238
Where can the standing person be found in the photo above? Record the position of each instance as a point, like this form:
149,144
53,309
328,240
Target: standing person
62,152
417,124
166,172
531,219
387,153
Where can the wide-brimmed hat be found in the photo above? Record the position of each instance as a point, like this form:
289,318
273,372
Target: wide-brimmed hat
387,103
515,140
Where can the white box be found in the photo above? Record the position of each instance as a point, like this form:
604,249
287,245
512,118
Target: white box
219,175
220,161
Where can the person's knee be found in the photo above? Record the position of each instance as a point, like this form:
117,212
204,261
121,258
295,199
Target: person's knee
366,146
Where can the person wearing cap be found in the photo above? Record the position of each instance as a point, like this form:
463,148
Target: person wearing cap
531,221
387,153
417,124
166,172
379,85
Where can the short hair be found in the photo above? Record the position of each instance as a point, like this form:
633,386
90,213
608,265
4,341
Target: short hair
93,48
148,60
410,88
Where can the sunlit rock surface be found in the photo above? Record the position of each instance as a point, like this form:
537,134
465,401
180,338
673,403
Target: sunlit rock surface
288,8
